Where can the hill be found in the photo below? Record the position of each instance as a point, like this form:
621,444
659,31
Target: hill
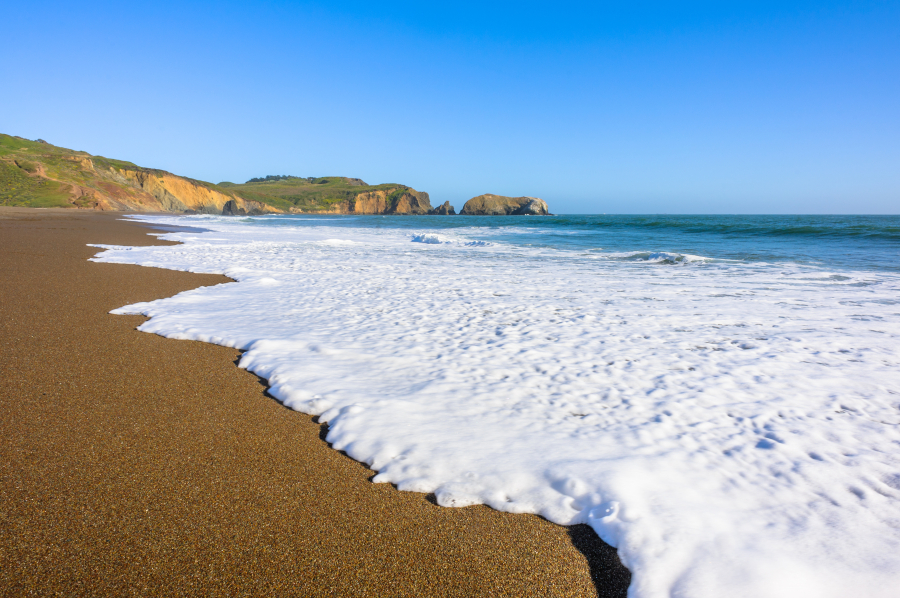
332,195
39,174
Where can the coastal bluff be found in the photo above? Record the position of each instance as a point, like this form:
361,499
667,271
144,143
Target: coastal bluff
38,174
499,205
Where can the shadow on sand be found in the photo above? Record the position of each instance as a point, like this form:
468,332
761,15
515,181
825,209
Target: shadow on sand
609,575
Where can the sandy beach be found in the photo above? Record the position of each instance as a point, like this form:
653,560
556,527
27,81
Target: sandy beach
131,464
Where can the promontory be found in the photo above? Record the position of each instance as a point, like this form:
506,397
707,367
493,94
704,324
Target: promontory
39,174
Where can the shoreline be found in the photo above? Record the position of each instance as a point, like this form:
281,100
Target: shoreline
138,464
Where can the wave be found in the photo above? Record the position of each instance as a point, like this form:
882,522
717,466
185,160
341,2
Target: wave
436,239
660,257
852,227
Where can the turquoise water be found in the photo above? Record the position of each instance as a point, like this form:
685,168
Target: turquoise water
833,242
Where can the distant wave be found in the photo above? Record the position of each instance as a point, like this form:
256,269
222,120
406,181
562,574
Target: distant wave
436,239
750,226
660,257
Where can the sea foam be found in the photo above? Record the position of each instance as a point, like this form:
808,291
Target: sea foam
732,429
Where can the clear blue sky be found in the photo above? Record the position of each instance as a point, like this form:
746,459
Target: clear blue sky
734,107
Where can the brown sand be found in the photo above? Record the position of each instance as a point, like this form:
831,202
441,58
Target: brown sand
131,464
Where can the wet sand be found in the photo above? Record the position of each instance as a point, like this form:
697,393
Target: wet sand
131,464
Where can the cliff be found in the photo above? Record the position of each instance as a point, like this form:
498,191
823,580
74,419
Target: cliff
39,174
332,195
499,205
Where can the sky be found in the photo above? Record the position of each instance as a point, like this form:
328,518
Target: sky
601,107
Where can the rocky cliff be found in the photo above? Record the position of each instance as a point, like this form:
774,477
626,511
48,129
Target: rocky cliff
499,205
332,195
38,174
171,193
399,200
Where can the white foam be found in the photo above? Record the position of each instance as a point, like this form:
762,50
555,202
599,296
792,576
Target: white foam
431,239
733,430
337,242
438,239
659,257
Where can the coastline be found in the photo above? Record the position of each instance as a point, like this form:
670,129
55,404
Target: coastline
137,464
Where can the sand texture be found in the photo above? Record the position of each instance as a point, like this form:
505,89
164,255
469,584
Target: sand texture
131,464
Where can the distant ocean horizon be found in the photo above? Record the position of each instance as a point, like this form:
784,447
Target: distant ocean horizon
718,396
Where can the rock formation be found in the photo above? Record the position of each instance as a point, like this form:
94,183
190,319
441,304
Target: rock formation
399,200
444,209
499,205
242,207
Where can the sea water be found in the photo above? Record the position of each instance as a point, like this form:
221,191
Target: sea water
717,396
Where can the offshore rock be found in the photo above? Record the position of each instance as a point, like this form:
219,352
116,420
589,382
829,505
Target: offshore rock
445,209
499,205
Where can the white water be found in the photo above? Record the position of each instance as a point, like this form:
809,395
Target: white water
733,429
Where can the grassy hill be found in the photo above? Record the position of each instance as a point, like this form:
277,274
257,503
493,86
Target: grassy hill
39,174
312,194
30,173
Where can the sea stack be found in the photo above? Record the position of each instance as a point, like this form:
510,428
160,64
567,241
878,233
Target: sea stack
444,209
499,205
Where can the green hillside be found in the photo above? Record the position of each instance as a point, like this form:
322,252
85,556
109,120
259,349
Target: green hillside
39,174
308,194
22,164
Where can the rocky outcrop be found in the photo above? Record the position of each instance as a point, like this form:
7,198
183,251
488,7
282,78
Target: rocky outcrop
178,194
410,202
499,205
397,200
243,207
445,209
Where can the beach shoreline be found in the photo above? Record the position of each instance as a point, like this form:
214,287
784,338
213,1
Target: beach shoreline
134,464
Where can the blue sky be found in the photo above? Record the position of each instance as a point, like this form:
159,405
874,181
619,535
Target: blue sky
596,107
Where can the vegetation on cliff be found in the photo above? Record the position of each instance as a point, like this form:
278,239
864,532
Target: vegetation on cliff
333,194
38,174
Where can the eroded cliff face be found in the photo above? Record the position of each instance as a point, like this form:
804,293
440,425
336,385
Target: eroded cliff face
411,202
94,184
398,200
243,207
173,193
39,174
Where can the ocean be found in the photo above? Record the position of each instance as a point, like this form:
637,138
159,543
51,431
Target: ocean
717,396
